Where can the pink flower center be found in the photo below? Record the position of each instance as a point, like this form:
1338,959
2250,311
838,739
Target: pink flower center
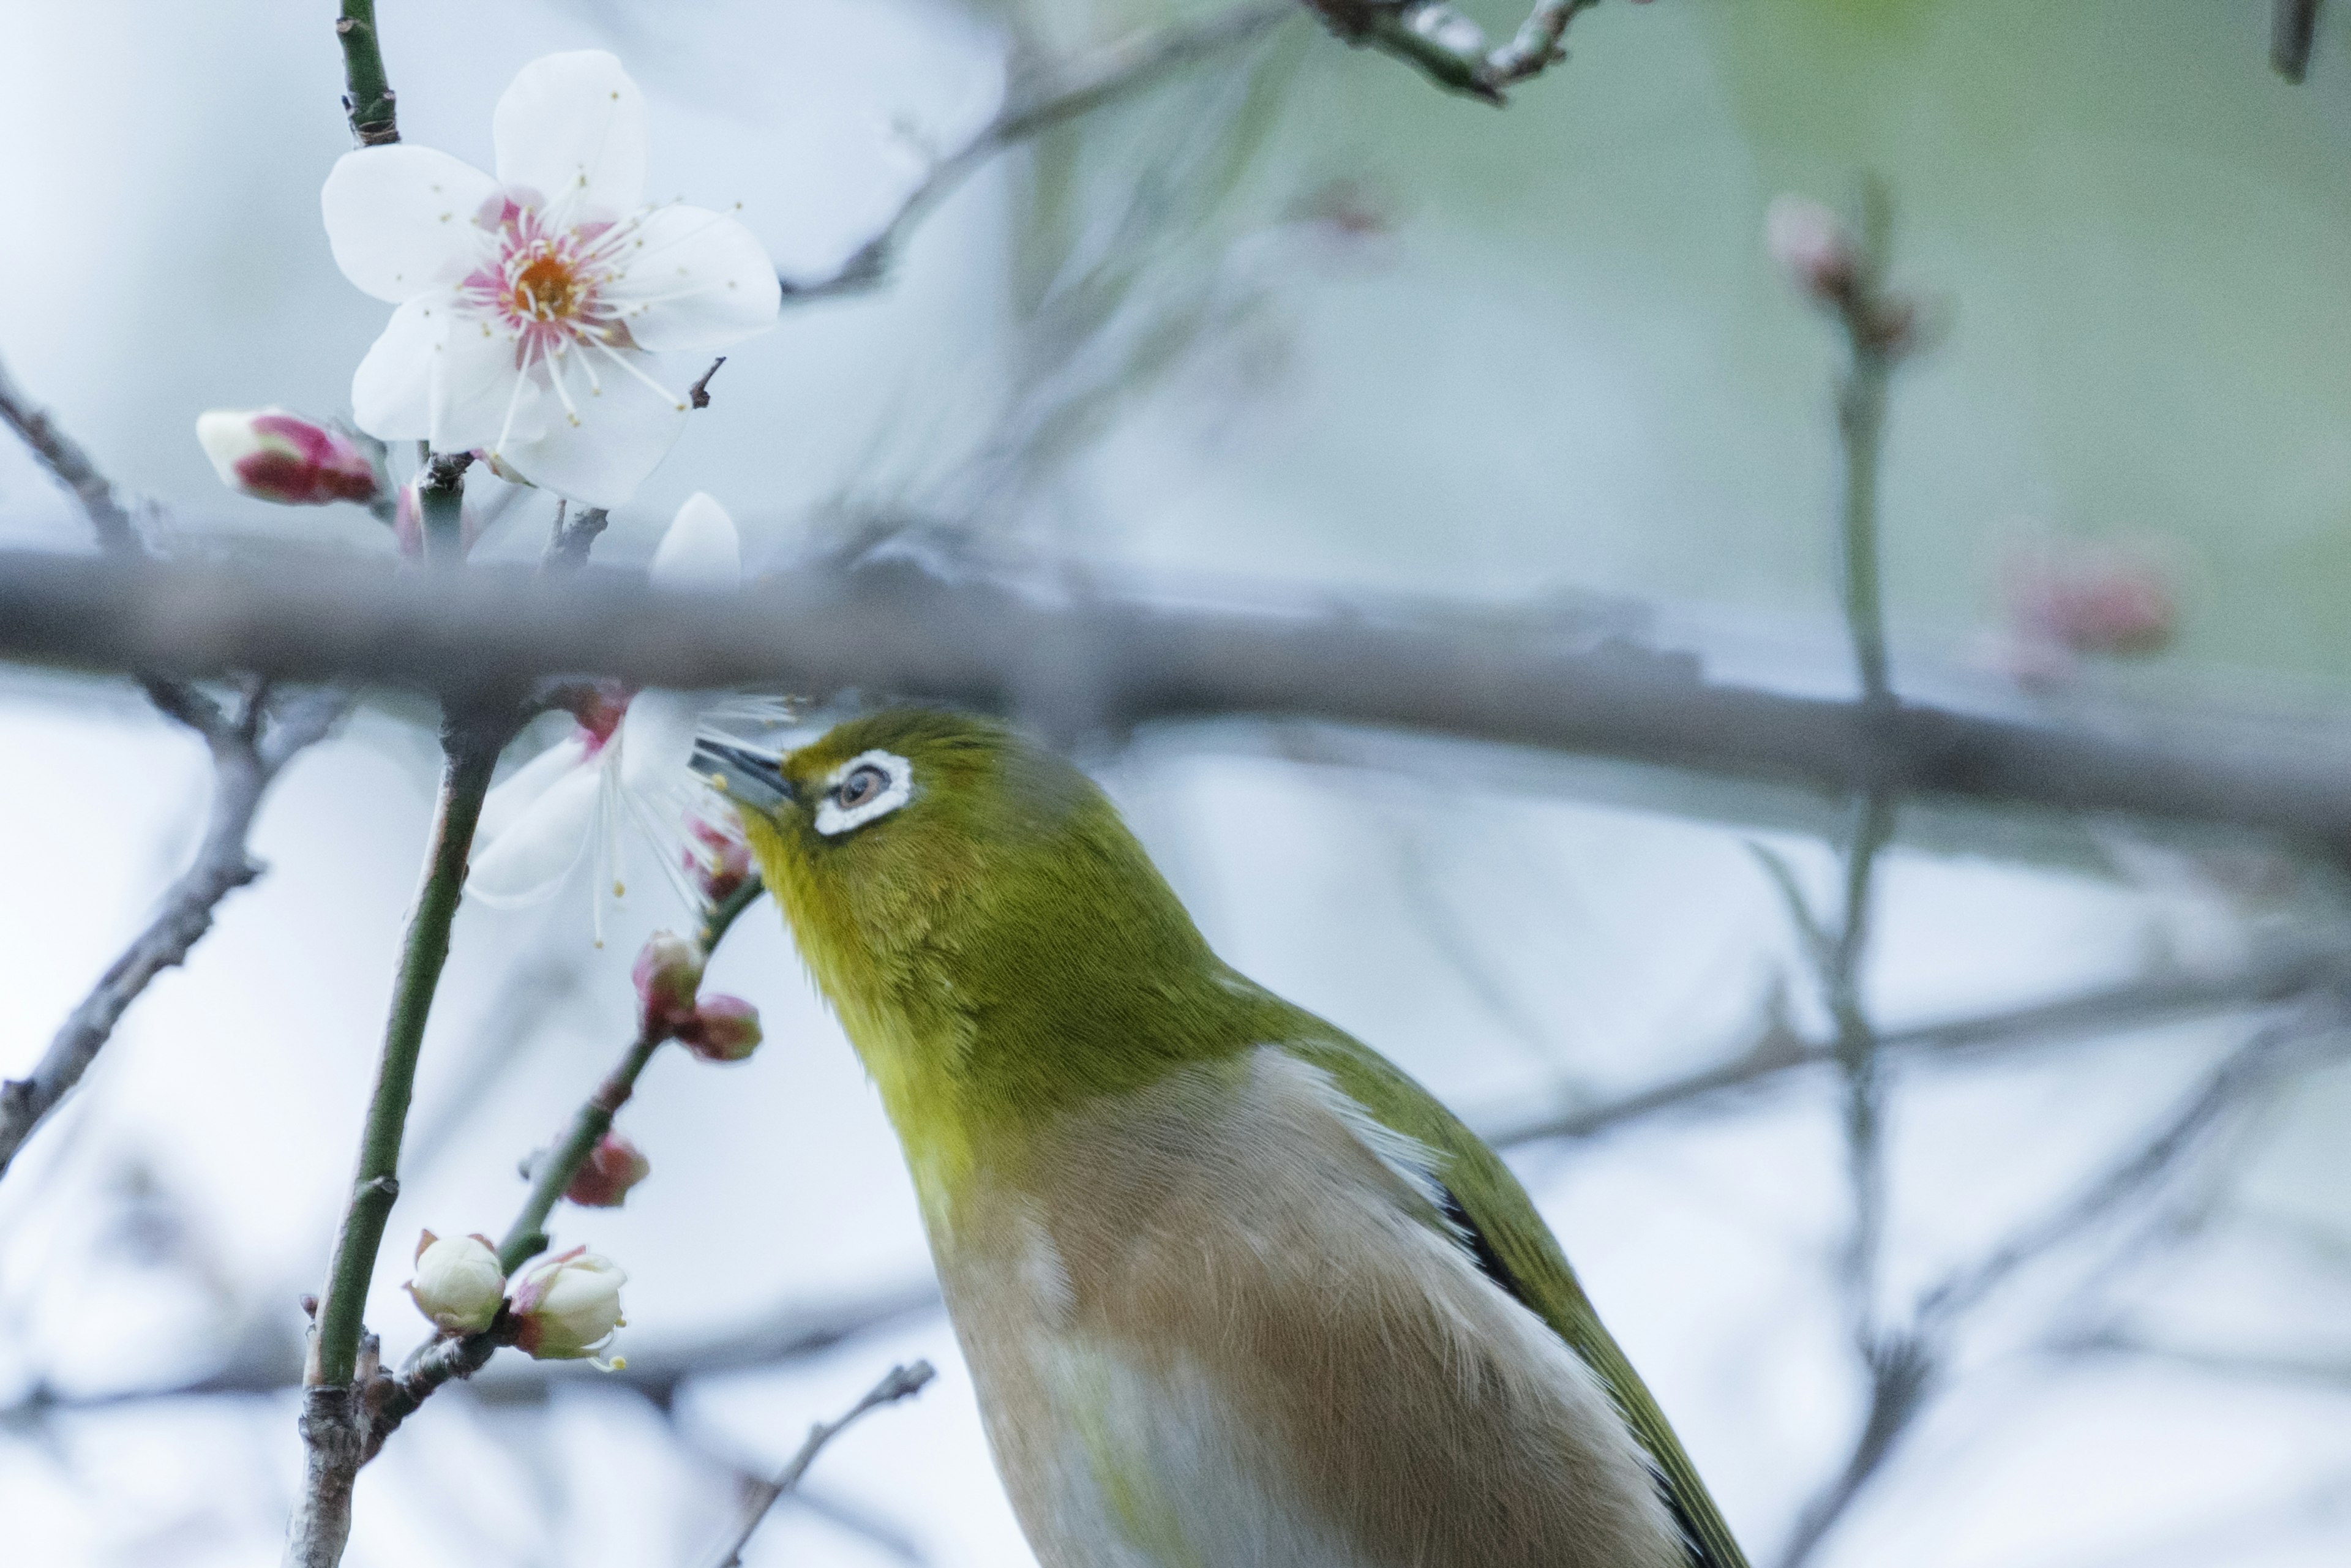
546,286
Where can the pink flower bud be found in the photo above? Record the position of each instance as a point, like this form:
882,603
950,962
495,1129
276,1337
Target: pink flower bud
717,858
668,973
567,1307
274,455
1811,244
2101,599
605,1176
723,1029
458,1282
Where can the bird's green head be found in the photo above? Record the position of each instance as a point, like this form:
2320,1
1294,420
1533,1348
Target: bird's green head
994,938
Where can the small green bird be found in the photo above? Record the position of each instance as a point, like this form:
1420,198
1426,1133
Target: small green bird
1234,1292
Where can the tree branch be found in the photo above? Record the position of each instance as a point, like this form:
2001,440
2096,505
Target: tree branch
1449,48
334,1429
2091,1014
1129,659
243,764
368,97
899,1382
1121,72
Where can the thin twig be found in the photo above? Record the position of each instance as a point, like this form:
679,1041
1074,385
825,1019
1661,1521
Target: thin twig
1121,72
368,97
243,764
1449,48
441,502
1903,1365
899,1382
567,550
2294,24
698,394
2093,1014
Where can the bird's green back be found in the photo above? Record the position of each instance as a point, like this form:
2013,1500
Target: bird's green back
1514,1244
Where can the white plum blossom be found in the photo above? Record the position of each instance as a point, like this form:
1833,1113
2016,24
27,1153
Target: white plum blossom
627,760
567,1307
537,305
458,1282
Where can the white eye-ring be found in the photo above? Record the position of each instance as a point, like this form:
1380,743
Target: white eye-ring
869,785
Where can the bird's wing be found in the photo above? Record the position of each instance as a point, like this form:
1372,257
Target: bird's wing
1493,1217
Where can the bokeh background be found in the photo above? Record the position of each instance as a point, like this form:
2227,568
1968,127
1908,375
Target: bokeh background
1297,320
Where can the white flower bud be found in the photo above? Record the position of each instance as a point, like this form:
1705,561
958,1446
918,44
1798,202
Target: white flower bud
568,1306
458,1282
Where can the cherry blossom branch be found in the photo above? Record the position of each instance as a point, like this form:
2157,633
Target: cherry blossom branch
1122,659
368,97
1119,73
243,761
247,754
899,1382
1449,48
334,1422
386,1401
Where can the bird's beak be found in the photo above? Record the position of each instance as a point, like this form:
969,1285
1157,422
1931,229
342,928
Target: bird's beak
743,776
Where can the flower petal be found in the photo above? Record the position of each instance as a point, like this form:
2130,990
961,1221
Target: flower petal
391,391
694,279
656,741
625,428
700,550
572,128
474,382
540,848
519,790
401,219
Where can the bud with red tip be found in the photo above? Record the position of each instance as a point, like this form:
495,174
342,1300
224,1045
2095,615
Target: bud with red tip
1812,243
2099,599
722,1028
567,1307
605,1176
668,973
717,859
458,1282
274,455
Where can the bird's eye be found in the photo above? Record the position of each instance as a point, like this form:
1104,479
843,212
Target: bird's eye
863,786
871,784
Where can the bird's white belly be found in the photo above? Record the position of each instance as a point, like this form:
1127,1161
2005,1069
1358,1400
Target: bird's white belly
1155,1469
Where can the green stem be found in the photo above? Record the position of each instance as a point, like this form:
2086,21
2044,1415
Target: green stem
470,747
368,96
526,1238
440,500
1861,422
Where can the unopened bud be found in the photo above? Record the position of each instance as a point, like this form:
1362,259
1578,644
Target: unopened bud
568,1306
717,857
723,1029
668,973
2093,600
1812,246
458,1282
274,455
605,1176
